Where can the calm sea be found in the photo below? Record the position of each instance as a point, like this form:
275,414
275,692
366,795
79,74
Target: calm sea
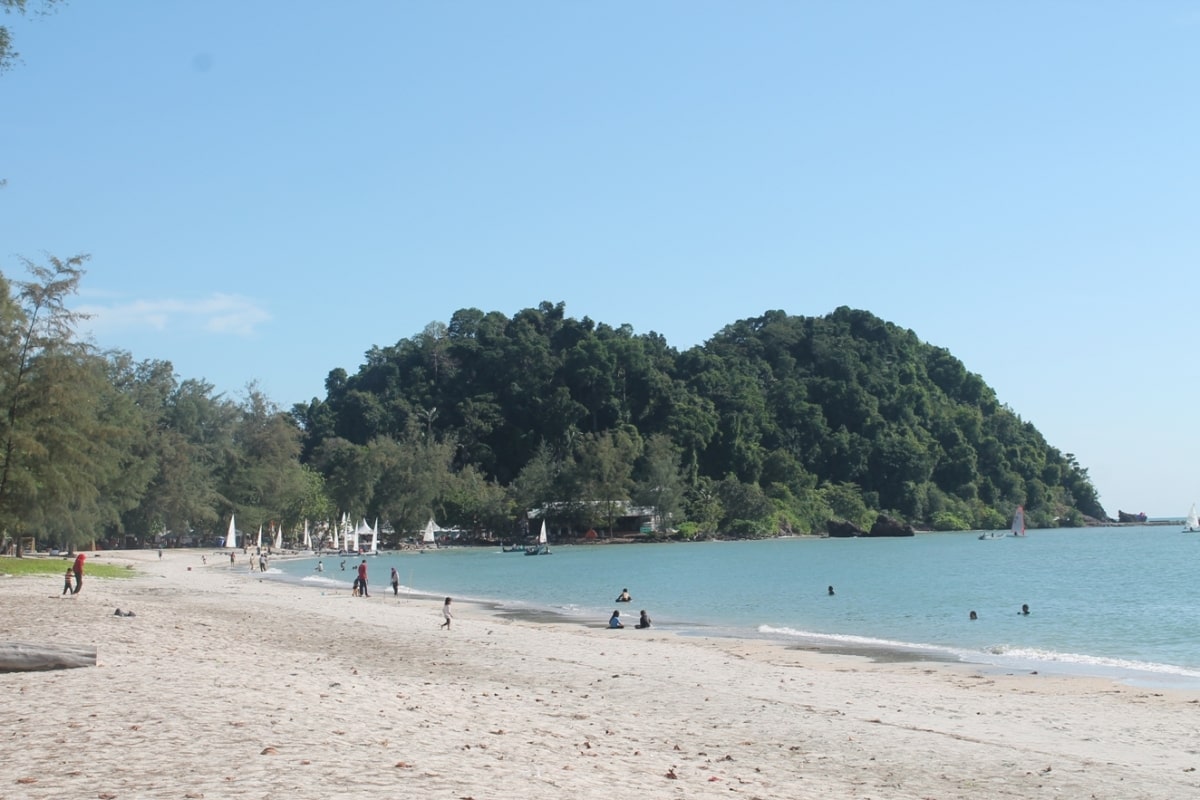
1120,602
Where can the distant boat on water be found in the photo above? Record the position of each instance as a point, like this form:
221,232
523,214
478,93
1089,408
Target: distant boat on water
429,537
1192,525
1018,523
542,548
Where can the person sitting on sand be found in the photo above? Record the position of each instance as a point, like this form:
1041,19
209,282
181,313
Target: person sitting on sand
615,620
644,620
624,597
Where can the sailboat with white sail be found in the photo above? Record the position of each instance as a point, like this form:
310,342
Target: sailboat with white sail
429,536
231,534
1018,523
542,548
1192,525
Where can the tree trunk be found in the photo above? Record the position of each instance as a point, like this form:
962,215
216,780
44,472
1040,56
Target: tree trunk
24,657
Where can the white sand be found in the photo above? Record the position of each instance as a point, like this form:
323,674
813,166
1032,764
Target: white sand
223,686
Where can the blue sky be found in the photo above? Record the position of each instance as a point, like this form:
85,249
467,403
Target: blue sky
268,190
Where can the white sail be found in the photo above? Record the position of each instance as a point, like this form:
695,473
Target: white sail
279,538
361,532
542,535
1193,521
429,538
375,537
231,535
307,538
1018,523
260,537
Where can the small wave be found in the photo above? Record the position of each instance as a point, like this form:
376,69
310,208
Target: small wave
322,580
996,655
849,640
1082,659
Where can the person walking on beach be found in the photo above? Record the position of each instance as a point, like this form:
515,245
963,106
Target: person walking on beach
362,578
67,581
446,613
395,582
77,568
231,558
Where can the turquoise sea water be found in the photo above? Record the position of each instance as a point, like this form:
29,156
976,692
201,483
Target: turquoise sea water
1121,602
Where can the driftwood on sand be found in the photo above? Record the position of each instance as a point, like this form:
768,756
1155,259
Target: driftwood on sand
25,657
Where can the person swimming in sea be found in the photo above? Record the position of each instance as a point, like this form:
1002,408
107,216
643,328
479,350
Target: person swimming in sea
1024,609
624,597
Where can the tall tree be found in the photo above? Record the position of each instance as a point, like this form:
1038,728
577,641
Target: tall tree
43,403
660,484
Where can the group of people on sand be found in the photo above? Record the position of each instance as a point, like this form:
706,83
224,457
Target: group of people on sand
615,620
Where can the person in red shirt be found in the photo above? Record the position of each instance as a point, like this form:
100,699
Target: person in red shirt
362,578
78,570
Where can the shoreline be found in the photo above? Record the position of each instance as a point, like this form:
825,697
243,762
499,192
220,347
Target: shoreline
223,687
1124,670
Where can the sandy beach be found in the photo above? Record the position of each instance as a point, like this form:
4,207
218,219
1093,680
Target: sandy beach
222,685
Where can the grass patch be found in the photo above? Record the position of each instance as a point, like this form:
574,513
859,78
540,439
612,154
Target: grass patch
54,565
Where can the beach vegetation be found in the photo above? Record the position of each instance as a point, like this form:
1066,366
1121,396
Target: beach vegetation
776,425
52,565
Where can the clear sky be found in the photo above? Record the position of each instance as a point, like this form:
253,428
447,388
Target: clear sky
270,189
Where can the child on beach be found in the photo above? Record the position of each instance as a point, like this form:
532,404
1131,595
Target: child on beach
644,620
446,613
67,581
615,620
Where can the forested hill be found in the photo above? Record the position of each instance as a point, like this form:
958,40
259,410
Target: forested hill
778,423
